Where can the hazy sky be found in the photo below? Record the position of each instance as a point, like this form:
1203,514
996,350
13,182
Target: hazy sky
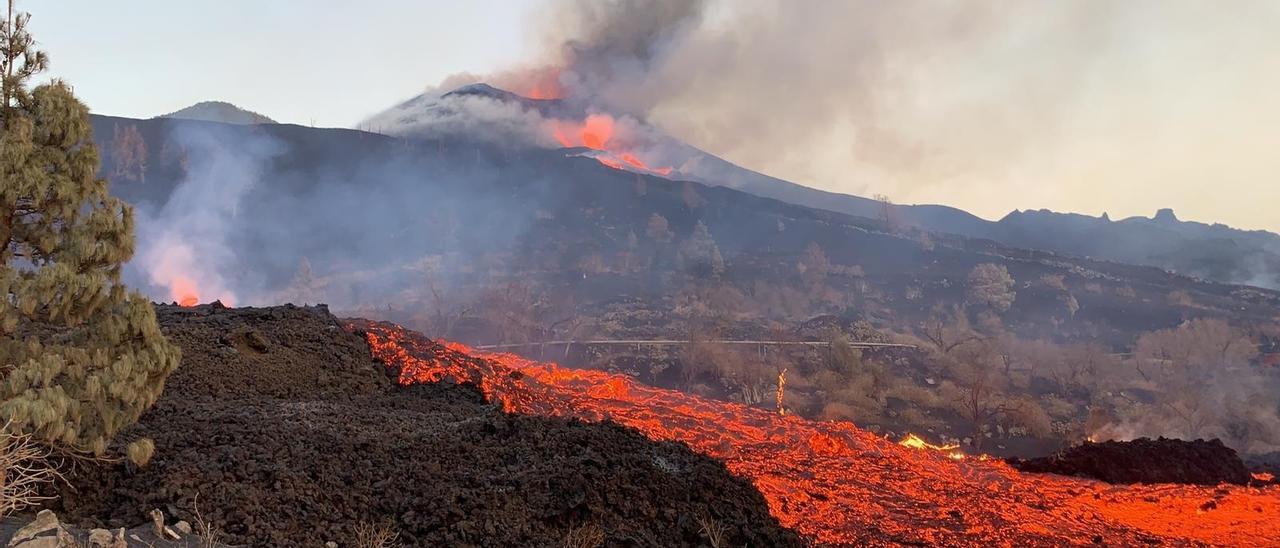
295,61
1084,106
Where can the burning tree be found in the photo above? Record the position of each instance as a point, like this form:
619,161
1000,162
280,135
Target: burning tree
82,356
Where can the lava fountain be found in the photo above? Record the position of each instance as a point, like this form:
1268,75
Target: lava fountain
837,484
598,132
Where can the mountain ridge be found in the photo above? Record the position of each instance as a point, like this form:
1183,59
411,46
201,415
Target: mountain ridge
1252,257
219,111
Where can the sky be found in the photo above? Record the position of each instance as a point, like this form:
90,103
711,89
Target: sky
318,62
1088,106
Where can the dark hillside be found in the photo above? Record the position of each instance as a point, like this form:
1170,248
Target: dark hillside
489,244
355,202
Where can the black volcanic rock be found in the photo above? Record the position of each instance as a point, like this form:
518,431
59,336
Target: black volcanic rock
1145,460
285,432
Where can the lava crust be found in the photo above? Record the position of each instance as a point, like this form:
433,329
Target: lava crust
290,434
1145,460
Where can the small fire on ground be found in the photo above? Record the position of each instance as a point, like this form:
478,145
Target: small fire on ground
837,484
184,291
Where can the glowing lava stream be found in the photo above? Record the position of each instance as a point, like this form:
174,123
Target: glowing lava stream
596,132
839,485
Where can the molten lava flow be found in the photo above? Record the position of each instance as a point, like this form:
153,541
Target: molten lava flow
184,291
839,485
597,133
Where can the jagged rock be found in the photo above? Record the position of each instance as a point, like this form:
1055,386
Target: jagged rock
66,539
40,542
255,341
100,538
159,529
157,523
1145,460
45,521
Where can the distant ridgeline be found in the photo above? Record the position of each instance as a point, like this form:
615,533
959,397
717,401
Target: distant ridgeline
219,111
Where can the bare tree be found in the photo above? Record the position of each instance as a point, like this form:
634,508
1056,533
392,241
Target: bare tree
128,154
889,215
1189,363
991,285
444,310
948,330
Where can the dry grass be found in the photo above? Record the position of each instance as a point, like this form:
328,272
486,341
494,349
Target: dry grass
717,534
208,532
586,536
380,535
914,394
24,467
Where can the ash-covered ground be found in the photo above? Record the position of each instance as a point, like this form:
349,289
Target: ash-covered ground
284,430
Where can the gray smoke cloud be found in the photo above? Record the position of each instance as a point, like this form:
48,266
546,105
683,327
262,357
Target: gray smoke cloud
1082,106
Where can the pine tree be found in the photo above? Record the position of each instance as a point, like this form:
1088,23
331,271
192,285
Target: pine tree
700,255
81,356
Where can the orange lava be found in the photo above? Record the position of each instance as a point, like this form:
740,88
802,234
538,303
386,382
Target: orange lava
839,485
184,291
596,132
543,84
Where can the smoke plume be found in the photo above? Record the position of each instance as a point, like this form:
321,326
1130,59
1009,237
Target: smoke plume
184,248
1082,106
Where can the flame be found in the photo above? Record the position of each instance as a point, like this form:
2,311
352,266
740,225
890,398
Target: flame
1264,476
916,442
782,383
184,290
597,132
839,485
543,84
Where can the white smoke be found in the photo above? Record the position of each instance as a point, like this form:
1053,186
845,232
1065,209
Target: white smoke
183,246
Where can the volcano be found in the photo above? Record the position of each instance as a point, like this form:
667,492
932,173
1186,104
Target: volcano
1192,248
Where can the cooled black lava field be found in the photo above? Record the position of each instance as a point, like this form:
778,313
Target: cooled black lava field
289,434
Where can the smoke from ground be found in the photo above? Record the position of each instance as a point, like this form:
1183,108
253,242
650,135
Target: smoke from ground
257,218
184,245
